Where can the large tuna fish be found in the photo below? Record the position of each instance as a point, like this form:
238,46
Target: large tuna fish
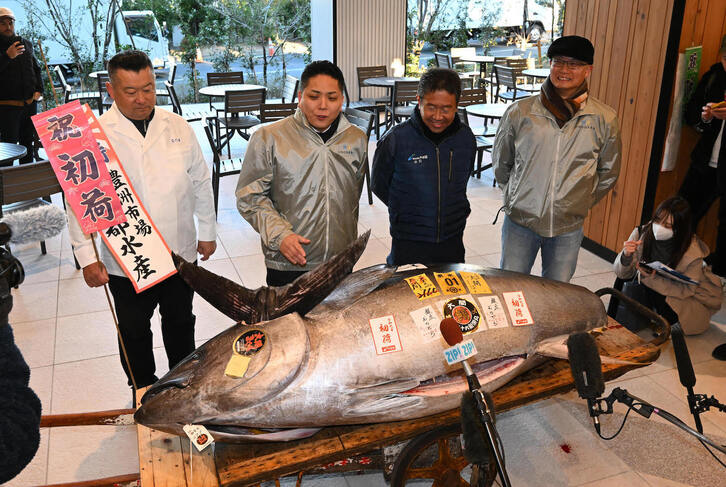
370,351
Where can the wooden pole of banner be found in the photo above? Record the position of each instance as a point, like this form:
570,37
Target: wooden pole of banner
115,322
50,80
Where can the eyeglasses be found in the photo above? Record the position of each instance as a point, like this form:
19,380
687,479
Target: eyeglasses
7,21
561,63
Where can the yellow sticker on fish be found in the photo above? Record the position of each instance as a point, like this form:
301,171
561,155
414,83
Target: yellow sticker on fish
422,287
475,282
237,366
449,283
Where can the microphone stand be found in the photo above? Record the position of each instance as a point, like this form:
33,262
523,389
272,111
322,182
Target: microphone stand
486,415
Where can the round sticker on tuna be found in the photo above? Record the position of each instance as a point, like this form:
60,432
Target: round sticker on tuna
249,343
464,313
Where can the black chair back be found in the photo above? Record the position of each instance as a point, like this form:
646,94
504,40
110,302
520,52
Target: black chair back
228,78
472,96
365,72
364,121
506,76
236,102
290,88
176,106
404,92
269,112
27,182
103,98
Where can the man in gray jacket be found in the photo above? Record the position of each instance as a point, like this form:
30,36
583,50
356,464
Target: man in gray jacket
555,155
302,177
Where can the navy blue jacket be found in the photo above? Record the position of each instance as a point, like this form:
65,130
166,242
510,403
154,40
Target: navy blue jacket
424,184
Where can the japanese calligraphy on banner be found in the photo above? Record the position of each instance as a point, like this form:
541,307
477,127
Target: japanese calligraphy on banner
131,236
79,166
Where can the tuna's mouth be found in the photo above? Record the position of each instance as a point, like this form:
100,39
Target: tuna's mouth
455,383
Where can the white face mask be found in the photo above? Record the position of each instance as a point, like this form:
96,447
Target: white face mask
662,233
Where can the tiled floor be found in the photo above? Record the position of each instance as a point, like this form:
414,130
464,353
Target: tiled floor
65,331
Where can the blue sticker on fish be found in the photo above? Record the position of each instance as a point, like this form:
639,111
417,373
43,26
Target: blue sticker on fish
460,352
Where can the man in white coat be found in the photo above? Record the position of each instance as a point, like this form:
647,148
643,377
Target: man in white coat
163,161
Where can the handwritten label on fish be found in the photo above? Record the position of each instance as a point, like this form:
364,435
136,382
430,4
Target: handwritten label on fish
385,335
463,310
427,322
518,309
475,282
422,287
199,435
460,352
243,348
493,312
449,282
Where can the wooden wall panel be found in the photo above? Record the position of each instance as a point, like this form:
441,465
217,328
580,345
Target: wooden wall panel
630,38
369,33
704,23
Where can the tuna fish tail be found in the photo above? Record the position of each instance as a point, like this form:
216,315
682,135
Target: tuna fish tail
265,303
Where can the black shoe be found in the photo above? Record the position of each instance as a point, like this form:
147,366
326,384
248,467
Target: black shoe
719,353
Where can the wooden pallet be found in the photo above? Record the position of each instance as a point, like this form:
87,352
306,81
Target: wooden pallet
165,460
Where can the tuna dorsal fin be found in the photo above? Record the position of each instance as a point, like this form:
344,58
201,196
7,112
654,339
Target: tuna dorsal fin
266,303
354,287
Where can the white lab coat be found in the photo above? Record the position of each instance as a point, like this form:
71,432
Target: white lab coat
170,177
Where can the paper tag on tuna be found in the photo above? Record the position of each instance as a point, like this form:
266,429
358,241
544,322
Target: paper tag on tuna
518,309
465,312
427,322
199,435
475,282
237,365
449,283
460,352
493,311
422,287
385,335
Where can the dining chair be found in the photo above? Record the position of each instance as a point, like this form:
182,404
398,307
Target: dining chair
220,168
484,143
403,102
290,87
103,98
507,78
189,115
69,94
475,96
224,78
239,108
270,112
366,72
163,91
364,121
366,107
26,186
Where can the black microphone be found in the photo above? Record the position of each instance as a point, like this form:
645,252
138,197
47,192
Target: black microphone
586,369
683,358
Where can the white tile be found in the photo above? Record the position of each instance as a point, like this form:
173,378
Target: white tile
658,481
222,267
75,297
34,302
482,239
35,340
91,452
38,267
631,479
239,243
41,381
35,472
374,254
85,336
251,269
372,479
90,385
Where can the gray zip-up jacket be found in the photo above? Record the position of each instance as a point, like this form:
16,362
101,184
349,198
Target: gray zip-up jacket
551,177
293,182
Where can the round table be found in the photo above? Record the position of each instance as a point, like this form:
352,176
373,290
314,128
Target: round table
475,59
220,90
537,72
386,81
9,152
487,110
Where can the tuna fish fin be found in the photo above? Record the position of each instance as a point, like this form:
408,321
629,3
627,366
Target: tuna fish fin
235,301
556,347
305,292
266,303
391,402
354,287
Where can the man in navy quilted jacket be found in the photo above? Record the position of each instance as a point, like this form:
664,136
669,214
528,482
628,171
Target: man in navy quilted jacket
420,171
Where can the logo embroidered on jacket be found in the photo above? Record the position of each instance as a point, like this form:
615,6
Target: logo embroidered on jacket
417,159
175,140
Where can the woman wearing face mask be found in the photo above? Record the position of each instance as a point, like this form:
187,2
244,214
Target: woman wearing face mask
669,238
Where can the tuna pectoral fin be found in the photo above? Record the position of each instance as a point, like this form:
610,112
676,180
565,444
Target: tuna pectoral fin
393,402
354,287
265,303
556,347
